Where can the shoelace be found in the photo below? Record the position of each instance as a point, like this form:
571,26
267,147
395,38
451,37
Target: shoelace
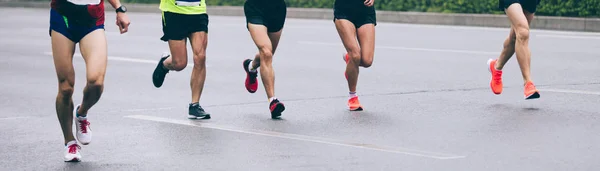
83,126
529,87
253,76
353,100
73,148
498,76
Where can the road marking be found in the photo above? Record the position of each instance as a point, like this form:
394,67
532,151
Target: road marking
18,117
298,137
571,91
405,48
126,59
568,37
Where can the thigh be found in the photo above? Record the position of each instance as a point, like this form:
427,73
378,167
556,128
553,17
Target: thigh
199,41
62,52
275,37
178,51
366,39
93,48
260,36
516,16
347,32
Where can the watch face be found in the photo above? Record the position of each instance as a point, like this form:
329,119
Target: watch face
123,8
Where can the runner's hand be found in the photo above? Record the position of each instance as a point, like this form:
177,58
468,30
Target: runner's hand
369,3
123,22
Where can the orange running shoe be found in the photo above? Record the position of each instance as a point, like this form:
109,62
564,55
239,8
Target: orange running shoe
354,104
530,91
496,80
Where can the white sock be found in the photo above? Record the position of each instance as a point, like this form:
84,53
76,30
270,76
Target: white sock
352,94
81,118
271,99
71,143
252,69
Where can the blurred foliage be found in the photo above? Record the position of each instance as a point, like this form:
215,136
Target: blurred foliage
571,8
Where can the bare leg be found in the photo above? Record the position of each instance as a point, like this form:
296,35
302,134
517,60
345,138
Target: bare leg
62,52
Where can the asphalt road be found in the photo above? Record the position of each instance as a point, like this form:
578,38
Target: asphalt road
427,100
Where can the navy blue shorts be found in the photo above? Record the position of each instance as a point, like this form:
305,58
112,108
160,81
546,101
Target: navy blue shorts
72,29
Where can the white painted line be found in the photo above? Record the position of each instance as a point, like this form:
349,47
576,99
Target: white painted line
145,110
568,37
405,48
18,117
126,59
405,151
571,91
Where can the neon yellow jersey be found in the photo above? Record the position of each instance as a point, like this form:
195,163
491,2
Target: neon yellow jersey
183,6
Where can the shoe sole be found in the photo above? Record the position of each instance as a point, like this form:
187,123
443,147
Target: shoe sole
198,118
357,109
491,76
535,95
247,70
73,160
276,113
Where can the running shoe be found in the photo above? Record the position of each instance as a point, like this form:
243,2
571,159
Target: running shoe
72,152
196,112
530,91
496,79
83,129
276,108
354,104
158,77
251,80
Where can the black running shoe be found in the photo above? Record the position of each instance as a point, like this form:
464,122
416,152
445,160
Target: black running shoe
276,108
196,112
158,77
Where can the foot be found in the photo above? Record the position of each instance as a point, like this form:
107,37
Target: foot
496,80
158,77
196,112
251,80
276,108
83,129
72,152
354,104
530,91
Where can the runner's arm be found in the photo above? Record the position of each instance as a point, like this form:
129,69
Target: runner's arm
122,19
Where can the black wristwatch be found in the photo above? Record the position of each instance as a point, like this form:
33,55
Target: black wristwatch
122,9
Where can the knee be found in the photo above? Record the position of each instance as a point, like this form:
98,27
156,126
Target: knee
65,89
199,59
522,33
367,63
95,82
354,57
178,65
265,52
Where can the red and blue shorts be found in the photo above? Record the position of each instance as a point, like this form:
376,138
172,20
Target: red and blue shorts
76,21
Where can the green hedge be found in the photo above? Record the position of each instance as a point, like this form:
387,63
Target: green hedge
573,8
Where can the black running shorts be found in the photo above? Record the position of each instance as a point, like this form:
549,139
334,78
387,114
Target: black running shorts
528,5
271,14
180,26
355,12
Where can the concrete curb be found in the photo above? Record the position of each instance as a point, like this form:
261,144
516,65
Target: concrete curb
482,20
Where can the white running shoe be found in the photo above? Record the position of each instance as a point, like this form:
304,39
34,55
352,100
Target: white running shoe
72,152
84,132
